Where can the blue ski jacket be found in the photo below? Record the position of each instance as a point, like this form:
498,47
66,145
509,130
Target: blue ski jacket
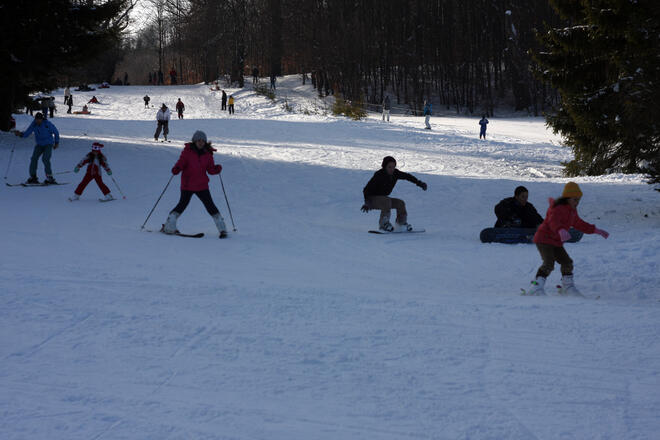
43,133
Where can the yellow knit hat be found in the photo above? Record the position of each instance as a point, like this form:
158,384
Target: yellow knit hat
571,189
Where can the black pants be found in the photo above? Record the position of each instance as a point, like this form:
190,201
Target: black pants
224,105
204,196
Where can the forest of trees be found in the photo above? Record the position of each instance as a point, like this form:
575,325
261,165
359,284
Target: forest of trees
467,55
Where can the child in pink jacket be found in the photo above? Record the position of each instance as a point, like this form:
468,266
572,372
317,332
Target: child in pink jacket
551,235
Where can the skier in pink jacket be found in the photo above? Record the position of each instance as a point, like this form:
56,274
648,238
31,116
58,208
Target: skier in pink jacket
195,162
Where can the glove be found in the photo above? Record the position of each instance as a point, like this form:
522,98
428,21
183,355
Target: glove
176,170
18,133
109,172
218,168
564,235
422,185
55,146
365,208
602,233
76,169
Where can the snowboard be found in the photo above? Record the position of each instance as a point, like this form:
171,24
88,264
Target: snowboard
373,231
518,235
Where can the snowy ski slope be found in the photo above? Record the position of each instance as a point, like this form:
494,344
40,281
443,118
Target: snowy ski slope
301,325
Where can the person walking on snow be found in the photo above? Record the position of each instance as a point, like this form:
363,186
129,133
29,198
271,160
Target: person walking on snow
231,104
551,235
195,162
163,118
48,139
95,159
483,122
180,108
427,114
386,108
224,100
378,189
146,101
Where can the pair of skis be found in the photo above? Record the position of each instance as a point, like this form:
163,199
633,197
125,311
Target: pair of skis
27,185
560,292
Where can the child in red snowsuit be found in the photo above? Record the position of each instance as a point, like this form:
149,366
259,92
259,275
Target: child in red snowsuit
94,158
551,235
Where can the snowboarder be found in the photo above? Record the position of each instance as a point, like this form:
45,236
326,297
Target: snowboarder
386,107
94,158
146,101
180,108
517,212
195,162
427,114
551,235
231,104
378,189
483,122
44,132
163,118
224,100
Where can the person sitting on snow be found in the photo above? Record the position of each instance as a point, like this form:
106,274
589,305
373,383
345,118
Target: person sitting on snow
517,212
378,189
93,100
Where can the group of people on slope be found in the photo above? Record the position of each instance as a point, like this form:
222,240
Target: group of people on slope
515,211
196,161
427,112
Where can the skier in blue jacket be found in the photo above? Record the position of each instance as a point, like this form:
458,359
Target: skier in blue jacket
427,114
44,131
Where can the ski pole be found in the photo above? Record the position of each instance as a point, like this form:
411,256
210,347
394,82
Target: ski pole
161,195
11,156
227,200
120,191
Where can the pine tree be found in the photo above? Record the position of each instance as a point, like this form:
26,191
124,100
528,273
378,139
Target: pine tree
606,66
42,38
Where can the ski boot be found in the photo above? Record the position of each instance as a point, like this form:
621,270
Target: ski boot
170,224
537,288
32,180
403,227
387,227
107,197
50,180
568,286
220,224
74,197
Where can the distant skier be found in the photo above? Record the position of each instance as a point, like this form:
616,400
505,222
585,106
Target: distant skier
378,189
163,118
195,162
231,104
69,102
146,101
427,115
224,100
273,81
95,159
67,93
387,105
517,212
255,75
51,106
483,122
551,235
180,108
48,139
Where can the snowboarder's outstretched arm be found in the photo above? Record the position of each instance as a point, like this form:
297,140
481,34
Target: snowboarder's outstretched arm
410,178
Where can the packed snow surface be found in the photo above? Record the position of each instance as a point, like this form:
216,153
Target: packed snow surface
301,325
